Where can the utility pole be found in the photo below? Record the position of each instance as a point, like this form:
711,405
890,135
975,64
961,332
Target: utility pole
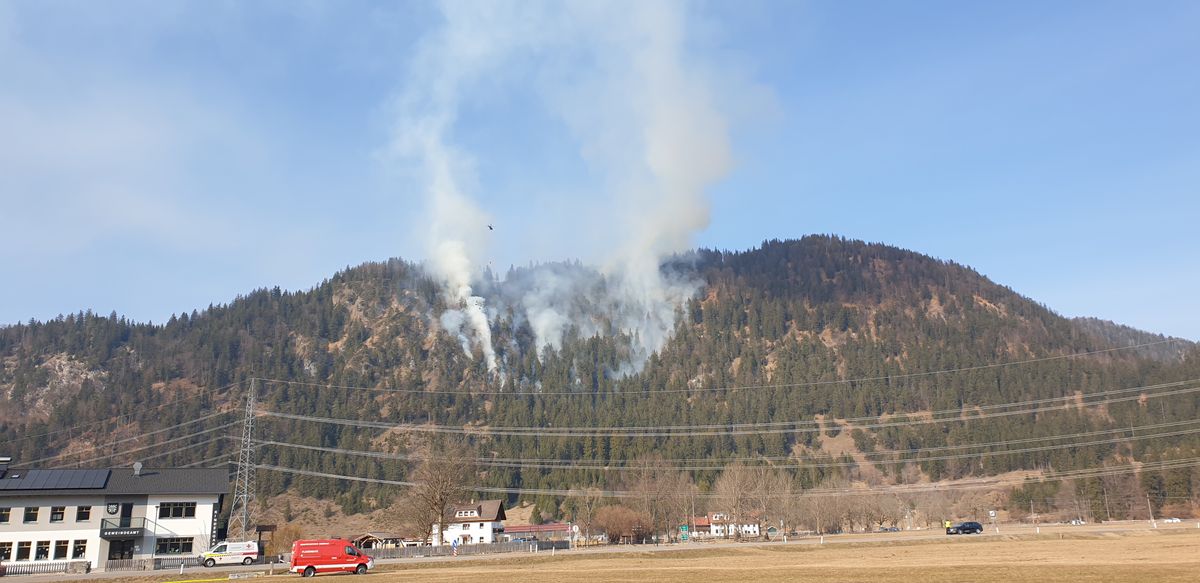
244,481
1036,527
1150,507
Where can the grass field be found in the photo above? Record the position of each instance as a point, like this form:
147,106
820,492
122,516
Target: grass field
1100,558
1151,556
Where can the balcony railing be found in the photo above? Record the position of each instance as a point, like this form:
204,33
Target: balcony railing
124,522
125,527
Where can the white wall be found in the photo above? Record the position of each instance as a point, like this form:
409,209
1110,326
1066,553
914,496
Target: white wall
479,535
69,529
199,527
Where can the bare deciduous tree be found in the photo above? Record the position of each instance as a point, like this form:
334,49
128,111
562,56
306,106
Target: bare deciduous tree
660,493
732,496
446,476
932,507
620,522
581,504
770,496
824,513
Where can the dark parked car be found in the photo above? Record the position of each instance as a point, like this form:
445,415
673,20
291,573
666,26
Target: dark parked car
965,528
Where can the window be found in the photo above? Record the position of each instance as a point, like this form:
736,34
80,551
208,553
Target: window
23,550
177,510
58,513
43,551
80,549
350,551
4,514
60,549
5,552
31,513
220,548
174,546
83,513
480,525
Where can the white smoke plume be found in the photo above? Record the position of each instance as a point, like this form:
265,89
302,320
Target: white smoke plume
445,63
618,75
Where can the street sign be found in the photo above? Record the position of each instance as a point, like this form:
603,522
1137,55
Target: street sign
992,513
684,537
684,528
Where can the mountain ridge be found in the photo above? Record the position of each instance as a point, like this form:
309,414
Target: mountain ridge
808,315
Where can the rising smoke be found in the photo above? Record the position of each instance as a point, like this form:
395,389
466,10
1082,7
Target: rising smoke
617,74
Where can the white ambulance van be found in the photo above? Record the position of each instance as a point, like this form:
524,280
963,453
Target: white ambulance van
230,553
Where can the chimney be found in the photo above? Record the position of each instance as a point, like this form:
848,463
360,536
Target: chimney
137,468
4,462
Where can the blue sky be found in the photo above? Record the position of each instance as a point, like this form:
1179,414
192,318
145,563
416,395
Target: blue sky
156,157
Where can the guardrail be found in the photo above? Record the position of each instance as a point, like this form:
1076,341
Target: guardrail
481,549
129,565
43,567
176,562
151,564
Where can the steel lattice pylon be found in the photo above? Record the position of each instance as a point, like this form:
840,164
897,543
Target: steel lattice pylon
243,494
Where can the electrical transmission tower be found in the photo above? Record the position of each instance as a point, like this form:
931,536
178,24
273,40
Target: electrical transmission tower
243,494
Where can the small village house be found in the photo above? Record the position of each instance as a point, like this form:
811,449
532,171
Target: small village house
720,525
472,524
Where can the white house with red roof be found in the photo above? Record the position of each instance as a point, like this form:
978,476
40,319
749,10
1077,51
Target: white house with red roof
719,525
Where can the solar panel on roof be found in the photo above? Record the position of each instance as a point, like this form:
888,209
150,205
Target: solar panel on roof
96,479
55,480
74,480
39,478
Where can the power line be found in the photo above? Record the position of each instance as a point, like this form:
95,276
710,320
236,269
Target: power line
575,393
185,447
208,460
601,466
1073,398
161,443
742,387
119,417
868,454
721,429
128,439
821,492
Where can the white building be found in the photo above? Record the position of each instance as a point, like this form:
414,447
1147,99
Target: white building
472,524
107,514
719,524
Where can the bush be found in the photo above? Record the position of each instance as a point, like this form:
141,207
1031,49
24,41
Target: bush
622,524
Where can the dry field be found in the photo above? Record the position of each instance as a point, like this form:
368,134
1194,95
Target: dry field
1141,556
1151,556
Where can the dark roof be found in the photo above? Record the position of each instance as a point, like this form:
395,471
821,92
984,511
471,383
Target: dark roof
488,510
378,536
114,482
53,479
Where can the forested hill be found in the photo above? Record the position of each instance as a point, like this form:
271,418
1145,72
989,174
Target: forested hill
768,339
